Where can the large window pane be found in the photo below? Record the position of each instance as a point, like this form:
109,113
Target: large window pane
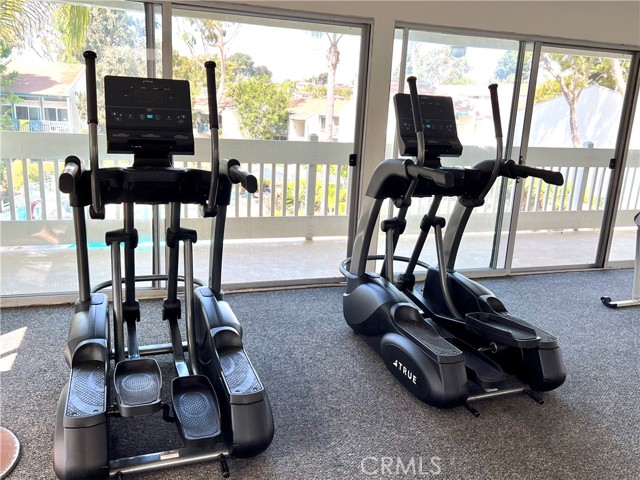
625,231
43,101
460,67
287,109
574,127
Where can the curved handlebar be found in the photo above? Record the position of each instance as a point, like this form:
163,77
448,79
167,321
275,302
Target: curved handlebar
209,209
97,209
417,119
415,104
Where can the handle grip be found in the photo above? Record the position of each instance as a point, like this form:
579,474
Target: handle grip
439,177
239,175
90,74
497,124
210,207
513,170
67,179
210,67
415,103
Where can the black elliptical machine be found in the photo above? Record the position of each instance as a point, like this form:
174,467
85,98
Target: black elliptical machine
217,400
442,335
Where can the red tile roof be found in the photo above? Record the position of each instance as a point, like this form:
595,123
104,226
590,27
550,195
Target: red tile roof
43,78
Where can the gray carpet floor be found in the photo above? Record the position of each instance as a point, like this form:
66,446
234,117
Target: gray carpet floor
340,414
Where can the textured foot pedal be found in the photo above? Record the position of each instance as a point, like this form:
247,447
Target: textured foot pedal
483,371
502,329
137,384
87,389
196,408
433,344
240,377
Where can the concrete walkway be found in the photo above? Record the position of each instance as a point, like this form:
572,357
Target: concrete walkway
43,271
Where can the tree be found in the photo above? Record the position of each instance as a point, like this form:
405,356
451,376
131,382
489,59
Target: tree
27,24
242,66
571,74
202,36
262,107
506,67
437,66
333,59
119,42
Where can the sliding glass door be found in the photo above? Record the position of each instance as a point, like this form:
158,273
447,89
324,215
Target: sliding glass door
461,67
288,96
563,108
573,127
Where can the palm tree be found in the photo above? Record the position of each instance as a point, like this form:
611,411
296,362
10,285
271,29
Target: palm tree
23,21
333,59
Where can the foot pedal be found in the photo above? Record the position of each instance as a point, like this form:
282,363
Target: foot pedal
137,384
87,395
87,389
483,371
242,382
196,407
502,329
438,348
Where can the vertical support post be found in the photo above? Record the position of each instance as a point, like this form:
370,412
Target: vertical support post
188,300
82,254
116,285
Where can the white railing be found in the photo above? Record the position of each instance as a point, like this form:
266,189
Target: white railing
302,187
47,126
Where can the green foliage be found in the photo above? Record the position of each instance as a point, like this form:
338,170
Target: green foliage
436,66
547,91
33,174
6,79
186,68
119,42
506,67
72,21
262,107
241,66
320,79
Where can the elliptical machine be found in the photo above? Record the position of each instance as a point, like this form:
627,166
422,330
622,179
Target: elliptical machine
217,401
441,336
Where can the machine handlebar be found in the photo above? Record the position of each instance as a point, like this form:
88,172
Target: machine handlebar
210,66
67,179
513,170
92,103
97,209
497,124
415,103
210,207
237,174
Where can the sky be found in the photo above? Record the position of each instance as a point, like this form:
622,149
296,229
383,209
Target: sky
290,54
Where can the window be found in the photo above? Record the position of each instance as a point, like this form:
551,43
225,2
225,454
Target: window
461,67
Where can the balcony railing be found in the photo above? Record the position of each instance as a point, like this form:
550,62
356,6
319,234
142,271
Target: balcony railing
47,126
302,188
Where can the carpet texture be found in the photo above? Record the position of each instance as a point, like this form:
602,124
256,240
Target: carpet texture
339,414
